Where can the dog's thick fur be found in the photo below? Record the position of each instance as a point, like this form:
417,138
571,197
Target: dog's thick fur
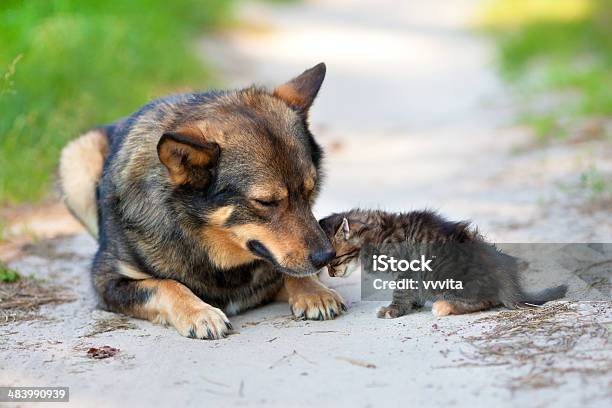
201,204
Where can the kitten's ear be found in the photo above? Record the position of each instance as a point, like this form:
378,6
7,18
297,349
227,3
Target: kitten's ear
331,224
346,230
343,232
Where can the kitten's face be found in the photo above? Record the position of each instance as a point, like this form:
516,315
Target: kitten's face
344,235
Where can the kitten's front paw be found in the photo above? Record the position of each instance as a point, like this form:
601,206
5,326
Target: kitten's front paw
319,304
389,312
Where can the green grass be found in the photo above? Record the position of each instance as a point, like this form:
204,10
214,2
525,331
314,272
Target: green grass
556,47
596,182
68,65
8,275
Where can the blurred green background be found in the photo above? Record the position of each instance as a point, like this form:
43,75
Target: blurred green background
558,53
67,65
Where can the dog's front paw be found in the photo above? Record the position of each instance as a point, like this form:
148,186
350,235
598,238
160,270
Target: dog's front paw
203,322
320,303
389,312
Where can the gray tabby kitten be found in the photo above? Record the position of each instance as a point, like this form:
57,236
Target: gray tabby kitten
489,277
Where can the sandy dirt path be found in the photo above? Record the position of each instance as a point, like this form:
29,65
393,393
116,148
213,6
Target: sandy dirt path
412,115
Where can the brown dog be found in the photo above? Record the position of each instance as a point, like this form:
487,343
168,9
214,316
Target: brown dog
201,204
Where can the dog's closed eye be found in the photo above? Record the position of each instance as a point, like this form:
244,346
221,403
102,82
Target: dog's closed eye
266,202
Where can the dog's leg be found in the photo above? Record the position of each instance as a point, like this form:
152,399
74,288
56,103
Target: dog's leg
164,301
310,299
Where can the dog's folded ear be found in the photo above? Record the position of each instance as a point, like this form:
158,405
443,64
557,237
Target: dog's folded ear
189,161
300,92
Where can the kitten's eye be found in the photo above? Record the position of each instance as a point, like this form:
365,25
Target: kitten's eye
266,202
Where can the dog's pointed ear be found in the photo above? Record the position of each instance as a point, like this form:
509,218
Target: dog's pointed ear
189,161
301,91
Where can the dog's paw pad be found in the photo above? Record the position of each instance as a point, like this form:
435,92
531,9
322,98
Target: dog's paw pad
323,304
204,322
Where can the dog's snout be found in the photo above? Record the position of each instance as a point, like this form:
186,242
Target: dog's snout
321,258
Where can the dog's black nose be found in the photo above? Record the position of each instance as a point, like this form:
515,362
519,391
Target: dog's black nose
321,258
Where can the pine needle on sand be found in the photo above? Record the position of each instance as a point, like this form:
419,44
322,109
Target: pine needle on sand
21,300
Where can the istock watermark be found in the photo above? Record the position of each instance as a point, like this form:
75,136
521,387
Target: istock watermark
384,263
460,269
415,284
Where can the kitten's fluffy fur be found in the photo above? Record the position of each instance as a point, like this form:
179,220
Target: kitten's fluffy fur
490,278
